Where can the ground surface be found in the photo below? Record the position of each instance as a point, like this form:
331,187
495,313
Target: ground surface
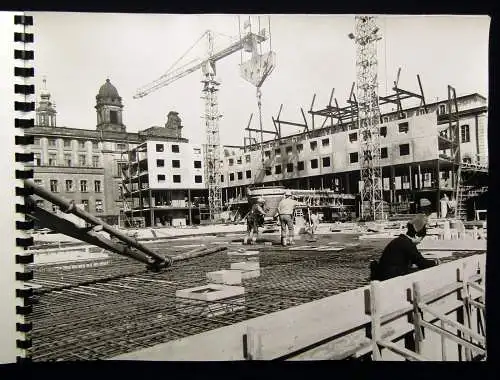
101,319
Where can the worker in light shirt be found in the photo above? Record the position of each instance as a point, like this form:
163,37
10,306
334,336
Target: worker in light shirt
285,212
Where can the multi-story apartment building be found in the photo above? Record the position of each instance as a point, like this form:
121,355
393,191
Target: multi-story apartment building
165,181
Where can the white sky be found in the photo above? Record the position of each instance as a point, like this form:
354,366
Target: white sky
78,51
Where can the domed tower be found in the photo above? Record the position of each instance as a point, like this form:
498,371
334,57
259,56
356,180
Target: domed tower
109,109
45,112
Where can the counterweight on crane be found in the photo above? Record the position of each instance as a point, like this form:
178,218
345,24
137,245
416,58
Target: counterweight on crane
366,37
255,70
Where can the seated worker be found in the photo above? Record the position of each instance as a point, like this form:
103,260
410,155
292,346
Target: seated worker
255,218
401,253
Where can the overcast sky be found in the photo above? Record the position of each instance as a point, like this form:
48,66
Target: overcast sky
78,51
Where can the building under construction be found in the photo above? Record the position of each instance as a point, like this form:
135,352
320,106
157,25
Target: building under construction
197,294
427,151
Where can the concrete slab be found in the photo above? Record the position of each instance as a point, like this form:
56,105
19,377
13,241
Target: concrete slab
248,274
301,248
227,277
328,248
210,292
203,300
245,265
240,256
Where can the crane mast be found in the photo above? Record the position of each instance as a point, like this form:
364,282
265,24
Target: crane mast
212,147
366,37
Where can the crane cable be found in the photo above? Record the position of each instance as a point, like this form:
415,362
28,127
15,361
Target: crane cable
259,105
154,84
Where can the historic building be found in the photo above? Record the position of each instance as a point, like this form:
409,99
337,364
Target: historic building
81,164
87,165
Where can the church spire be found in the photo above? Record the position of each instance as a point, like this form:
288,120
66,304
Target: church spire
45,113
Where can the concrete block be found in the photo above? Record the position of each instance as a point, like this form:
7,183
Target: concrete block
245,265
210,300
228,277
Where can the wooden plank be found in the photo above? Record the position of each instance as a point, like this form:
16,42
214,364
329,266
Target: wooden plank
417,317
402,351
453,337
465,299
443,343
375,315
397,334
453,323
353,345
476,286
477,304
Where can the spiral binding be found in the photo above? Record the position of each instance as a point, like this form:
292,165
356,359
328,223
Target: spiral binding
24,107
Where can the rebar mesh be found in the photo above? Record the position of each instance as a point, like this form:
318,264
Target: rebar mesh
107,318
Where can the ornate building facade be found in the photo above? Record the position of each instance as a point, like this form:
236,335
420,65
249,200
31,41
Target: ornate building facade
84,165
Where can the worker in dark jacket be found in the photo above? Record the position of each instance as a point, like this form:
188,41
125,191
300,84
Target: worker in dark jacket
401,253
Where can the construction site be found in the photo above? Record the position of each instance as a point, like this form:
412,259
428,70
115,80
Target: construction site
173,280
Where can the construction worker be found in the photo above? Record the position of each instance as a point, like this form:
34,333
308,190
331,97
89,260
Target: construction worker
401,253
312,222
285,212
255,218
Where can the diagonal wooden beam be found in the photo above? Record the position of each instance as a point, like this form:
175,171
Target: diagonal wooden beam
453,323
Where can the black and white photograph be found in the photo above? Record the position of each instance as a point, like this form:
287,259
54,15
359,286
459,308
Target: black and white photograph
244,187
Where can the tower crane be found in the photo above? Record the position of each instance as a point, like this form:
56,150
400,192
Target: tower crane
255,70
366,37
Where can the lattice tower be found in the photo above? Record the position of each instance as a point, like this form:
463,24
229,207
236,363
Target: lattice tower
366,38
213,149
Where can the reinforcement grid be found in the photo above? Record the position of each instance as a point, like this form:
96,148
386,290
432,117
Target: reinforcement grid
139,310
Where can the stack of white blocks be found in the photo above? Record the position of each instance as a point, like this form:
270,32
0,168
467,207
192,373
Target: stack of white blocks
223,287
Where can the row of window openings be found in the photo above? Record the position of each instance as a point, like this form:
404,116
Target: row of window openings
54,185
85,203
176,164
404,150
82,160
81,143
177,178
175,148
313,145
